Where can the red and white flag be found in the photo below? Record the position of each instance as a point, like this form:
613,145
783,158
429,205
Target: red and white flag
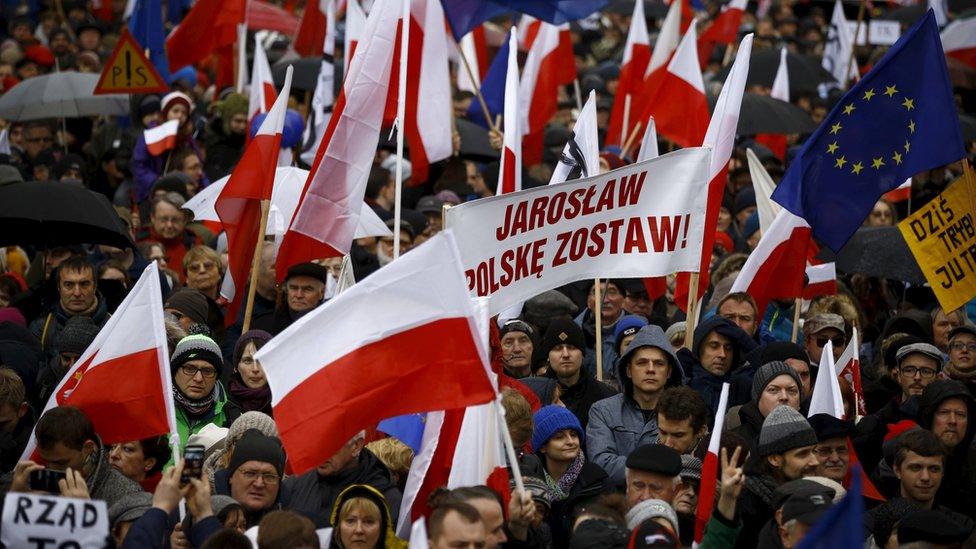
776,142
262,94
637,54
426,339
122,381
355,27
665,44
710,468
774,270
721,137
821,280
313,30
325,222
901,193
510,167
959,40
549,65
528,30
849,368
474,47
723,30
239,203
324,95
162,138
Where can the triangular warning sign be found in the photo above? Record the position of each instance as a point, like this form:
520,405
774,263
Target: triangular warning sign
129,71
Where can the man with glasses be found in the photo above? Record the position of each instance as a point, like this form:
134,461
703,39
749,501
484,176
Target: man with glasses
38,137
821,328
167,225
962,356
199,396
831,449
253,477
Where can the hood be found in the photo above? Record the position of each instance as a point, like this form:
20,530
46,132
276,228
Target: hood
938,392
914,322
648,336
374,495
742,344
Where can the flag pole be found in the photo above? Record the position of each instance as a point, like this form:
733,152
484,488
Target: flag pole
401,112
630,140
623,127
797,303
599,328
692,308
857,31
477,89
256,264
578,93
509,447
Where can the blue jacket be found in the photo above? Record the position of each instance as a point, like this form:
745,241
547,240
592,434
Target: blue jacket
152,531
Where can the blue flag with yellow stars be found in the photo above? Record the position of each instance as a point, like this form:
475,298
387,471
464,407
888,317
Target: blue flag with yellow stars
899,120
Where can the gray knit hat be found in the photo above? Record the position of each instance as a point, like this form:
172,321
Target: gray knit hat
649,509
770,371
675,329
691,468
197,347
77,334
785,429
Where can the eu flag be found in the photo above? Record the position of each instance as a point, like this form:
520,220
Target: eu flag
899,120
146,26
465,15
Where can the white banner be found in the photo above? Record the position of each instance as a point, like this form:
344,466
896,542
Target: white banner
642,220
35,520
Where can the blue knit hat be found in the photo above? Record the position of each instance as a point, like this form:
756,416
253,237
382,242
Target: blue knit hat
627,325
551,419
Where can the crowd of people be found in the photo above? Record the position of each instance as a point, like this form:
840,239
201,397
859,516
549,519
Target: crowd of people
611,452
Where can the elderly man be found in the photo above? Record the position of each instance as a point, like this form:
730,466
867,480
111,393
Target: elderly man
945,408
831,449
253,476
518,345
167,225
653,472
612,296
821,328
77,296
304,291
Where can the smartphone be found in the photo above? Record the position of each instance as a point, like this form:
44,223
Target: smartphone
192,463
46,480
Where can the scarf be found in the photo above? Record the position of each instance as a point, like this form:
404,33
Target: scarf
959,375
250,399
560,489
195,408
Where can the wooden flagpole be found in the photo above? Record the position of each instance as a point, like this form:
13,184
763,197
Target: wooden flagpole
256,264
857,30
477,89
692,307
797,304
598,305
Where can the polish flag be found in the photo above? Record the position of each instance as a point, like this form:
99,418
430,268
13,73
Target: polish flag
122,381
959,40
678,103
721,137
637,54
355,27
528,29
312,29
664,47
581,155
549,65
710,468
774,270
325,222
821,280
323,98
849,368
475,49
459,448
776,142
510,167
162,138
239,203
723,30
427,341
263,94
900,194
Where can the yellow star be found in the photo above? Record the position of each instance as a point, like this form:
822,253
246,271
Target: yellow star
835,128
911,126
877,163
856,168
896,157
832,147
849,109
839,163
890,91
908,103
907,146
869,94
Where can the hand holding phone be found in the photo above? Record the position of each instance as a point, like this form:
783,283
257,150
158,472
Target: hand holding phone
192,463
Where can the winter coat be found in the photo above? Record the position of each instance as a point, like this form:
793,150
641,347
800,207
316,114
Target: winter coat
314,496
869,433
707,384
956,491
47,328
12,444
591,482
146,168
223,414
580,397
106,483
587,322
152,530
720,533
755,508
616,425
751,421
274,322
20,351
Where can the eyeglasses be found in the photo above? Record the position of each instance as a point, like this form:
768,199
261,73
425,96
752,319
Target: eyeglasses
837,341
201,266
40,139
910,371
252,476
826,451
191,371
959,346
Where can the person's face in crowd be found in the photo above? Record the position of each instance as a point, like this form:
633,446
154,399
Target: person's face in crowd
67,360
88,39
942,324
359,528
22,33
814,343
236,520
834,458
648,370
72,174
686,500
678,434
185,321
250,369
177,112
494,519
158,254
802,369
743,215
962,352
563,447
266,276
458,533
193,168
475,180
60,44
920,477
59,457
203,273
461,106
716,354
638,303
517,352
724,219
386,245
781,391
792,535
951,420
881,215
642,485
565,360
796,463
77,289
741,313
304,293
255,485
238,124
36,139
10,416
348,454
128,458
167,220
196,378
914,373
42,172
28,70
613,301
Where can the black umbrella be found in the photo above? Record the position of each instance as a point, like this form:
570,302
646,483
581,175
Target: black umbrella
305,76
805,71
877,251
474,142
54,214
763,114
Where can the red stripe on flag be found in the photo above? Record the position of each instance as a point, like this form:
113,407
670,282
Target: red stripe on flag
706,495
508,176
716,188
159,147
631,82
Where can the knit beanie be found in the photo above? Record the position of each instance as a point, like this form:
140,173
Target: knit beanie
650,509
174,98
770,371
563,330
691,468
191,303
551,419
256,446
627,325
196,347
77,334
259,337
785,429
234,103
675,329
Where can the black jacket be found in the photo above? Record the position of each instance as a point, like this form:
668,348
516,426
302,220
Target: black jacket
592,482
581,396
755,508
869,433
957,489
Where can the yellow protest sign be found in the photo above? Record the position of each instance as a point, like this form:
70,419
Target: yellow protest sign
129,71
942,237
